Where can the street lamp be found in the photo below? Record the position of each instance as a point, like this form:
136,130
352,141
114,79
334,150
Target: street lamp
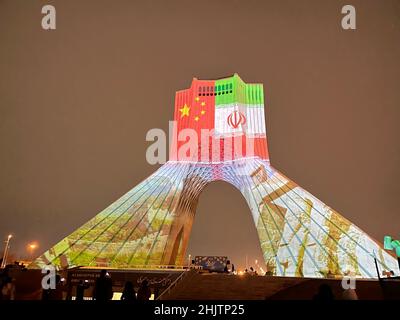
31,248
6,249
259,267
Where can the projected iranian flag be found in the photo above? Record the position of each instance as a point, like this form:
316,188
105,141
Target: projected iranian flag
218,121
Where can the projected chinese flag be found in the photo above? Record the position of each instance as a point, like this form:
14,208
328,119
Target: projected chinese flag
219,120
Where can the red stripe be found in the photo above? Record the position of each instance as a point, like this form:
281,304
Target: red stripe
199,89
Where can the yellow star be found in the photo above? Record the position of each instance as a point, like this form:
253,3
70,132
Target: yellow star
203,112
196,118
197,98
184,111
203,104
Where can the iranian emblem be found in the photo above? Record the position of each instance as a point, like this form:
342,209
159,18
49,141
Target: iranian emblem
235,119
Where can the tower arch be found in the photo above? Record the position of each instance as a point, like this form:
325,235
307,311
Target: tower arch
150,225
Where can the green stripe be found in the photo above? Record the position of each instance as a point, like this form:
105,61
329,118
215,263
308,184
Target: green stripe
234,90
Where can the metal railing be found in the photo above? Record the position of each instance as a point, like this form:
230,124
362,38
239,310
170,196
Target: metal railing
138,267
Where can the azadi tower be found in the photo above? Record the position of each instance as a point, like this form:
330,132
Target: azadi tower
225,124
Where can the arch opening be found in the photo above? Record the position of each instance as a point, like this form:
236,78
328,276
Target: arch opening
223,226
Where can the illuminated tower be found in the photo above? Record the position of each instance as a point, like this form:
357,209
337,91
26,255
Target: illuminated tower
219,134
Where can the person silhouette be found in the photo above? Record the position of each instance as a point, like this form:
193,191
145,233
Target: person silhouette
8,289
80,290
103,287
129,293
144,292
324,293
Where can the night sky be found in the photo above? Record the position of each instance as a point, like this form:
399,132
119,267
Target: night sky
76,103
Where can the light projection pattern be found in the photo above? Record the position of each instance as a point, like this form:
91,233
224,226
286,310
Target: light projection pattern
150,225
233,113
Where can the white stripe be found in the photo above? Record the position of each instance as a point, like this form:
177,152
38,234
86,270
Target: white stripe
255,121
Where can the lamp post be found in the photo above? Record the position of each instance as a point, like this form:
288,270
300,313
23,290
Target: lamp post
257,266
6,249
